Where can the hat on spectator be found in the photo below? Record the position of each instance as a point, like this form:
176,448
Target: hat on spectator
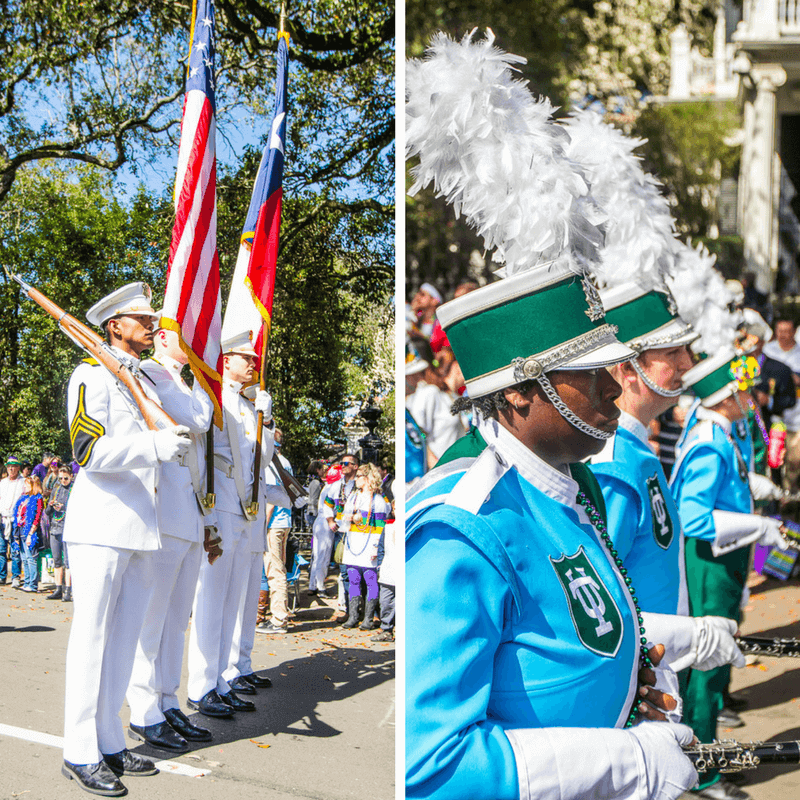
13,461
432,291
133,298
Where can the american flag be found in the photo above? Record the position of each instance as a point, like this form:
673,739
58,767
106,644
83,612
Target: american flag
250,300
192,304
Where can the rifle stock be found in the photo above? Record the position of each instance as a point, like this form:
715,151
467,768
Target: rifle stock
154,416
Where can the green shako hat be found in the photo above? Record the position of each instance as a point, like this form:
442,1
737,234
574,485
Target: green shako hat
721,375
646,320
528,324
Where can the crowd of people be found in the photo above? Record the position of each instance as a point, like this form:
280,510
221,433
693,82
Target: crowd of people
141,542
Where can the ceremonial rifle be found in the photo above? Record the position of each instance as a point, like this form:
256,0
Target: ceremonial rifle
728,755
120,366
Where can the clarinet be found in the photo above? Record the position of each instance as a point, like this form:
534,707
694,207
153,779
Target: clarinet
728,755
778,648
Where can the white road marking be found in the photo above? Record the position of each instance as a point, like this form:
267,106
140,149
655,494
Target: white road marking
173,767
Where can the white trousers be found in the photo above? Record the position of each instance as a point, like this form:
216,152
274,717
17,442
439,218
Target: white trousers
216,602
244,633
157,666
321,547
110,586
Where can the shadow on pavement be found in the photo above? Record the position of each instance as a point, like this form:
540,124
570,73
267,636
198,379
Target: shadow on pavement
299,687
28,629
772,692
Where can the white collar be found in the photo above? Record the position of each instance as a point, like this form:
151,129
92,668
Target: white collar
634,426
707,413
552,482
231,386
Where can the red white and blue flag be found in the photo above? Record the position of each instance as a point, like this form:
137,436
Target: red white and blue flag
192,304
250,301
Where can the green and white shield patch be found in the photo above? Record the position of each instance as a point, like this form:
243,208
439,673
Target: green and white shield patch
594,613
663,529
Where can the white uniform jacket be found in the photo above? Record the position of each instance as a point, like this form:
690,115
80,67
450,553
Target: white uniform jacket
113,501
178,512
239,430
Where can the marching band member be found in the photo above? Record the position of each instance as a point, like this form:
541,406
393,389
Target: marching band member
711,485
152,694
112,532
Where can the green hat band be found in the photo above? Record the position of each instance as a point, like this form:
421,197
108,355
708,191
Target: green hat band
492,338
641,317
712,383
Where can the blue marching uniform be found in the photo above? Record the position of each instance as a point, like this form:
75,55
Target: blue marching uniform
711,473
643,518
520,619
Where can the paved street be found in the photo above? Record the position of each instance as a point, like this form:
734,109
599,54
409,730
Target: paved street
325,729
771,686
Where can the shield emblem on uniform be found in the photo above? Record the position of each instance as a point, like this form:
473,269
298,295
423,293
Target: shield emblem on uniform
663,529
594,613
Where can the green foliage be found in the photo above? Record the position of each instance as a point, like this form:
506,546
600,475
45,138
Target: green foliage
687,150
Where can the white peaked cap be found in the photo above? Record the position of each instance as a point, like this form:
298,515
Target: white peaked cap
239,343
133,298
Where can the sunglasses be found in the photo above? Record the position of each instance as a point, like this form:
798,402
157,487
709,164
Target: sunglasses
348,463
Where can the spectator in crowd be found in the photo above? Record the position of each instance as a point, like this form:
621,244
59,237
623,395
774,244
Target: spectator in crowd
363,521
429,401
41,470
27,516
316,471
50,480
56,511
776,391
387,479
278,529
786,350
386,583
11,488
26,469
423,306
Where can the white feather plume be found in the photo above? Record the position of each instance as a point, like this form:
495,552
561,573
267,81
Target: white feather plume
496,155
703,299
640,241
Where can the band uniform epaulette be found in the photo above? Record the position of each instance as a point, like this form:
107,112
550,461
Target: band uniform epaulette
91,361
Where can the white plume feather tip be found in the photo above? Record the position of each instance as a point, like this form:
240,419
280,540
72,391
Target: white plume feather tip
496,155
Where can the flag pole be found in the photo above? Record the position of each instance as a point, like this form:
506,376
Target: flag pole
262,385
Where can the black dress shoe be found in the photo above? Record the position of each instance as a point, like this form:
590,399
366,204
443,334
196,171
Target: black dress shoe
160,735
94,778
242,686
127,763
258,681
211,705
180,722
236,703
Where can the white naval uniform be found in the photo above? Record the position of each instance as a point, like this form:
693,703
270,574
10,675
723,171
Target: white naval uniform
221,586
156,672
112,533
244,632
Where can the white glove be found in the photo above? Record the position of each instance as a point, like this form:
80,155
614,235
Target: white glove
669,771
771,533
172,443
762,488
263,404
301,502
714,644
667,682
578,763
733,530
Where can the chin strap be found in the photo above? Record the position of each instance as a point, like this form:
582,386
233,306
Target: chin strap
651,384
740,404
568,415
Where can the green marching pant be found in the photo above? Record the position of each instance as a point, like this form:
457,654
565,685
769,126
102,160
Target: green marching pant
715,587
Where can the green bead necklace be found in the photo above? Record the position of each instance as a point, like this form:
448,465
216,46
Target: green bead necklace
600,527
